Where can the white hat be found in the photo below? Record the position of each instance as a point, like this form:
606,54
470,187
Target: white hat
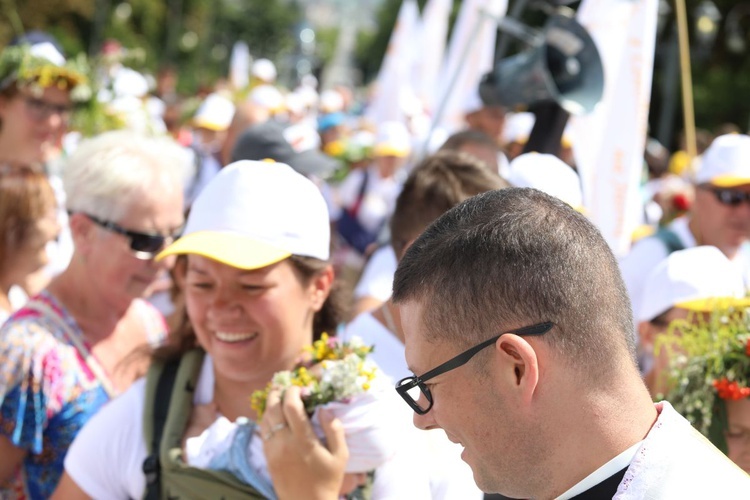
264,69
129,83
726,162
46,50
214,113
267,96
331,101
253,214
698,279
547,173
518,127
392,139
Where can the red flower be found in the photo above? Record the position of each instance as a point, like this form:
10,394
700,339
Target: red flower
731,390
747,348
681,202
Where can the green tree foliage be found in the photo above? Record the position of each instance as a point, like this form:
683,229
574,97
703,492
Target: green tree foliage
158,28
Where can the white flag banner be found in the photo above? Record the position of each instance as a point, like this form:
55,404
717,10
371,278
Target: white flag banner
434,34
239,66
393,85
470,55
608,144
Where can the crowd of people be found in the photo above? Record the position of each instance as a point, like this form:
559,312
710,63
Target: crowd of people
159,273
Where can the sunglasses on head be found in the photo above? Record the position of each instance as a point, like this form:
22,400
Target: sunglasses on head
144,245
727,196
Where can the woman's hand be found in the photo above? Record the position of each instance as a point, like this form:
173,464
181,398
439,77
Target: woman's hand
300,465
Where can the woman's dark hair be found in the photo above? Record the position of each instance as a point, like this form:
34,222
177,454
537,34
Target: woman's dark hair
327,319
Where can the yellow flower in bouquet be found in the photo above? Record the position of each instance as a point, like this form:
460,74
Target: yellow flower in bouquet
330,370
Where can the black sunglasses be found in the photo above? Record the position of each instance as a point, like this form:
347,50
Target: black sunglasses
728,197
145,246
412,388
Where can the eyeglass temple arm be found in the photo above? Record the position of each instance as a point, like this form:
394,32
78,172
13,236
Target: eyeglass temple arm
462,359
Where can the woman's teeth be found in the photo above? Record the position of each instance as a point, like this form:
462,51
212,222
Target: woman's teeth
235,337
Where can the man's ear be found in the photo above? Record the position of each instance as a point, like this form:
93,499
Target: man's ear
320,287
519,365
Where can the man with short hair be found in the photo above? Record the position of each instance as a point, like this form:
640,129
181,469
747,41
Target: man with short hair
518,327
720,216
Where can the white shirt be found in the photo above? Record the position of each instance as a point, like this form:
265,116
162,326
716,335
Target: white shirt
379,198
377,278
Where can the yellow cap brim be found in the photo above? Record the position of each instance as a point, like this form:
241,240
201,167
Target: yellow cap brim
726,181
210,125
232,249
714,303
386,150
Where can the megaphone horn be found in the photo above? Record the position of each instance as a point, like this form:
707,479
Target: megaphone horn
564,67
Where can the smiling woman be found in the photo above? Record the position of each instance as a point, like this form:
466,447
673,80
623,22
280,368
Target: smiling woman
61,352
258,290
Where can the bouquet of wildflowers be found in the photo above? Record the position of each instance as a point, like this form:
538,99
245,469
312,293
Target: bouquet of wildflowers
330,370
709,364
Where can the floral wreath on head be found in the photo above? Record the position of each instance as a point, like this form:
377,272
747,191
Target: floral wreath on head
19,64
709,364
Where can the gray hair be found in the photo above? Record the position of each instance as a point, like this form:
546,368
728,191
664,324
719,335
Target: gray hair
516,257
107,172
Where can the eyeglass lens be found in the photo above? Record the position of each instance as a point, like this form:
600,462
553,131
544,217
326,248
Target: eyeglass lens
731,197
42,110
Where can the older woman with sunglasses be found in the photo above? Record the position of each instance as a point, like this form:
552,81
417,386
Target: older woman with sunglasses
62,353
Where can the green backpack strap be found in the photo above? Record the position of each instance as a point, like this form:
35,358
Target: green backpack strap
159,384
167,412
670,240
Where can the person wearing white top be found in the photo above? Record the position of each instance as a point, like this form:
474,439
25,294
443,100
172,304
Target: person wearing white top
518,331
438,183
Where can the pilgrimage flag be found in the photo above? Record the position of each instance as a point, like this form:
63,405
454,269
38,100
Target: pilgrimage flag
608,144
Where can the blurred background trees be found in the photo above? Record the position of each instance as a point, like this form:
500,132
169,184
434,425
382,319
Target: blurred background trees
196,36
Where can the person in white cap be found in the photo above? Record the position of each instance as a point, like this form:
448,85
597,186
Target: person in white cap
719,216
264,71
258,289
547,173
210,124
695,280
367,196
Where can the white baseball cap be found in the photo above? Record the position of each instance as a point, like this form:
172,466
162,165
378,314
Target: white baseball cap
254,214
698,279
392,139
214,113
267,96
547,173
726,162
264,69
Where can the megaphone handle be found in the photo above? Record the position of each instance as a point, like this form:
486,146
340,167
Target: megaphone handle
548,129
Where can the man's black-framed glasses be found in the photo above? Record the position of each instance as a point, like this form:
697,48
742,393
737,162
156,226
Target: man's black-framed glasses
412,389
144,246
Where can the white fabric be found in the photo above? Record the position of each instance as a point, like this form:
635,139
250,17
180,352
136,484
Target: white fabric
243,199
693,274
470,54
46,50
111,468
433,36
377,277
676,462
393,83
388,353
608,143
392,139
605,471
379,198
547,173
726,159
239,65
